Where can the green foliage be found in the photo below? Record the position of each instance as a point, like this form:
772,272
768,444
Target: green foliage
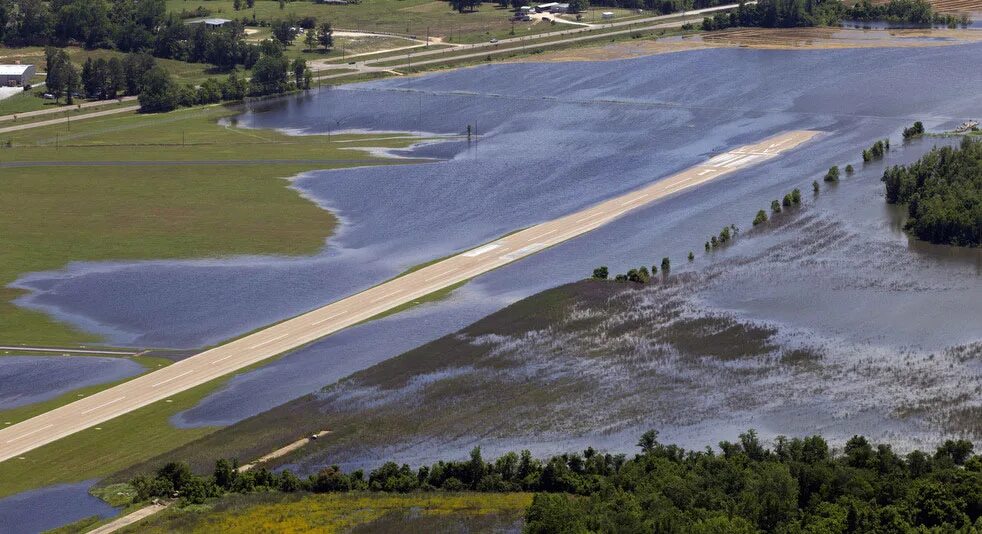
775,206
876,151
815,187
849,169
744,487
666,264
916,130
601,273
158,92
833,174
760,218
943,194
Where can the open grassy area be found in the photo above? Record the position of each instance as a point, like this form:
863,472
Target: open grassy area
352,512
404,17
61,214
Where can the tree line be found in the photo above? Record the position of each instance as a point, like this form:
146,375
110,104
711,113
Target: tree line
796,13
943,194
798,485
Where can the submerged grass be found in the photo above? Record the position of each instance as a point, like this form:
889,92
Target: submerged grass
57,215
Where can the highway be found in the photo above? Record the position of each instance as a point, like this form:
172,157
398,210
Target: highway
17,440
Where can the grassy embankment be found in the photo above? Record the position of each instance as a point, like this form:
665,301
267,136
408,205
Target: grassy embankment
93,213
353,512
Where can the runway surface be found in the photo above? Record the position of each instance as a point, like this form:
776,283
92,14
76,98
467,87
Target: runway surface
17,440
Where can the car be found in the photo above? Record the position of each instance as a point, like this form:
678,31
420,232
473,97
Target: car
48,96
494,41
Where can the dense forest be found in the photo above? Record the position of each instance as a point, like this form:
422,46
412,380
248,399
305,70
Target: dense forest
943,194
799,485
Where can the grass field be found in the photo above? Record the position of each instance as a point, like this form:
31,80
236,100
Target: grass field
354,512
63,214
404,17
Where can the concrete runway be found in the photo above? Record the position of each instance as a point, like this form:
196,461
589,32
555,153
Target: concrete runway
16,440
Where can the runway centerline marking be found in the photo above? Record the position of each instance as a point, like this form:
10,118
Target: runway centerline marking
29,433
103,405
387,295
268,341
162,382
588,217
328,318
441,275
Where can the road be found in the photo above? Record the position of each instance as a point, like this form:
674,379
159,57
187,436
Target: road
60,120
18,439
522,43
63,109
67,350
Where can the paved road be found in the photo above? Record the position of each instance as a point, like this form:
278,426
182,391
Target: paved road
522,43
17,440
67,350
143,163
49,122
63,109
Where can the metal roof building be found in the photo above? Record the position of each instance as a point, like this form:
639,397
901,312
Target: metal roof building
15,75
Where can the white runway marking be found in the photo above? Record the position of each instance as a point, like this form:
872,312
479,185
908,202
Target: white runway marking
328,318
29,433
268,341
480,250
162,382
387,295
588,217
543,234
523,251
441,275
90,410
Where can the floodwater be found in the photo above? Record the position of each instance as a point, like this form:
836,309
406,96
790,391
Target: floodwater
35,511
30,379
552,138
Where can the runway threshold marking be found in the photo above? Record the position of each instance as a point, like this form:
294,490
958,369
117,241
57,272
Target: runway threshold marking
142,391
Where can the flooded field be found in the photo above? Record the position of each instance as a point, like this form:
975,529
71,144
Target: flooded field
30,379
800,339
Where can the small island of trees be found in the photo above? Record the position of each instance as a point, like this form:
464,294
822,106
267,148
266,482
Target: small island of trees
943,194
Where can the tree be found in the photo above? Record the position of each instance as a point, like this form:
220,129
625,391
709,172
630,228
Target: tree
815,188
269,76
325,35
311,41
225,473
833,174
691,256
135,67
284,32
786,201
158,92
775,206
760,218
210,91
308,78
56,63
796,196
666,265
236,4
849,169
234,88
916,130
601,273
73,82
299,66
115,78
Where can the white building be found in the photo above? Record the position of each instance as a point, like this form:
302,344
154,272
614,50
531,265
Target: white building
16,75
211,24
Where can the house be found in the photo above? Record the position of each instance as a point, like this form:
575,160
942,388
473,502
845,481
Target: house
16,75
559,8
544,8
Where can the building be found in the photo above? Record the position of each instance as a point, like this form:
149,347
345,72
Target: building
544,8
559,8
607,15
16,75
211,24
